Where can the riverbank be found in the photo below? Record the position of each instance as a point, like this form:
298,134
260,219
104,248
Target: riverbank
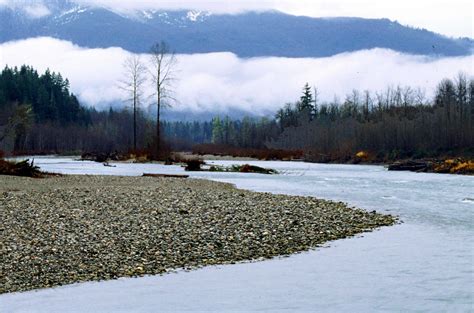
447,166
439,165
62,230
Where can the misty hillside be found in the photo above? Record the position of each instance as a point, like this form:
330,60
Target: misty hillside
248,35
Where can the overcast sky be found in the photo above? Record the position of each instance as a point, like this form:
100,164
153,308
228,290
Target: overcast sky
448,17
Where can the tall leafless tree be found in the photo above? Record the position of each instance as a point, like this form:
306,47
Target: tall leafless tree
132,83
162,70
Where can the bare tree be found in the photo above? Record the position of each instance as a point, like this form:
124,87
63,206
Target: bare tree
163,61
134,78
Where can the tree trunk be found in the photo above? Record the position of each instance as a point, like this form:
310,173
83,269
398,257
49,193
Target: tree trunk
158,126
134,121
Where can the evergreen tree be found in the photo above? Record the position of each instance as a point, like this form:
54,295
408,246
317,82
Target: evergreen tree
217,134
306,104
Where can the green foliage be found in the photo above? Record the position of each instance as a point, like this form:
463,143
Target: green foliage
303,111
245,133
48,95
217,132
306,105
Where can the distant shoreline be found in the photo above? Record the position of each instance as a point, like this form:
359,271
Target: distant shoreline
462,166
452,165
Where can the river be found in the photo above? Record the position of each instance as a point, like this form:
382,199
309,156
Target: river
424,264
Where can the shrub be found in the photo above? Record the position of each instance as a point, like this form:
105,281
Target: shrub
193,165
23,168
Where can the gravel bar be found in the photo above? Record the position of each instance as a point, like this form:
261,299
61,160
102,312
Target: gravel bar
62,230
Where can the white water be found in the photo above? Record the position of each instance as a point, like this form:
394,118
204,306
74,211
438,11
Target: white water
425,264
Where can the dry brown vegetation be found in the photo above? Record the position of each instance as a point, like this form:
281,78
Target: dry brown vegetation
23,168
261,154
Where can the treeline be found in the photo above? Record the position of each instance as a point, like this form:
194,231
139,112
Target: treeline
399,122
246,133
182,136
47,94
39,114
252,133
33,109
396,123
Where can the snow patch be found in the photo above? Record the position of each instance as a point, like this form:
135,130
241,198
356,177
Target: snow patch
73,11
148,14
195,16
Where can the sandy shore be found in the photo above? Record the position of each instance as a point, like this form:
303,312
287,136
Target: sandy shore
67,229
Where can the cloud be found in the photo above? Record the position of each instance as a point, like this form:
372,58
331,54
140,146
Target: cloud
440,16
216,6
222,81
34,9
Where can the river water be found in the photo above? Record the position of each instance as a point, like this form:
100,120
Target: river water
425,264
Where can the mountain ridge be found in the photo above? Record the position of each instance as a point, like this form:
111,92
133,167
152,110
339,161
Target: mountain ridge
250,34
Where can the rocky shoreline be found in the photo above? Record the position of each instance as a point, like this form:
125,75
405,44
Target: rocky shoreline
62,230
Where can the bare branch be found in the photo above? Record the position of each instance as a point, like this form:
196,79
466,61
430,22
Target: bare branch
132,84
163,61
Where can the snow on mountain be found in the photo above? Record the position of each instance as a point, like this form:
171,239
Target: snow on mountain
249,34
176,18
197,16
69,15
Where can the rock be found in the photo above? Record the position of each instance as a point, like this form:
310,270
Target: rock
83,228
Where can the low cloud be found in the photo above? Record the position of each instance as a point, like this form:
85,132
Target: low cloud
216,6
34,9
222,81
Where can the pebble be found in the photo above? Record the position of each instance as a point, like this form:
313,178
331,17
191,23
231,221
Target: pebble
61,230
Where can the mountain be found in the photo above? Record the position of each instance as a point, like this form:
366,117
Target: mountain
248,34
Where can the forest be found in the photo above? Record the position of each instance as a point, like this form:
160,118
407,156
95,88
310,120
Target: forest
39,114
399,122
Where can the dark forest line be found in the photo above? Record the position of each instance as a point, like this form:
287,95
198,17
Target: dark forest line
39,114
399,122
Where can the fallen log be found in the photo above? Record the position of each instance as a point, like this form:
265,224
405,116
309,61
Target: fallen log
245,168
23,168
413,166
165,175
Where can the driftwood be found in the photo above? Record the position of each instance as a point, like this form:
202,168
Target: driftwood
245,168
413,166
452,166
165,175
23,168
